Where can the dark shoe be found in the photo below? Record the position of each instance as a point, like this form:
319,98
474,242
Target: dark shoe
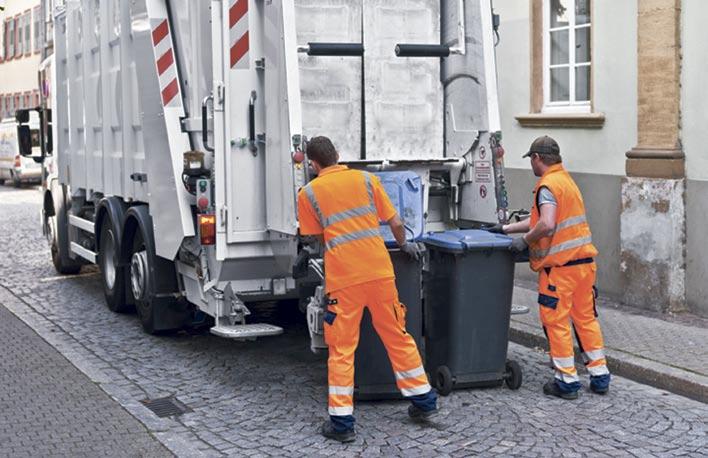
422,415
552,389
602,391
329,432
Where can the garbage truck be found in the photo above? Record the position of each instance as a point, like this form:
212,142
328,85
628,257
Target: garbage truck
177,132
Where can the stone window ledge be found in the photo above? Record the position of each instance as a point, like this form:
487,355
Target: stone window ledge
569,120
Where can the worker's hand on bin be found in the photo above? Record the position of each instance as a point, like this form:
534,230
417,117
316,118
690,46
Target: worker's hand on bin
411,249
518,245
496,229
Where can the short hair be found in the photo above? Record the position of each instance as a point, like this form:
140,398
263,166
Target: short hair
321,150
550,159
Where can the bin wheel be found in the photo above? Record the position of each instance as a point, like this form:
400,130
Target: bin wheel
513,377
443,380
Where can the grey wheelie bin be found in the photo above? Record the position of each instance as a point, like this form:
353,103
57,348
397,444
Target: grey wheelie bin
467,296
373,374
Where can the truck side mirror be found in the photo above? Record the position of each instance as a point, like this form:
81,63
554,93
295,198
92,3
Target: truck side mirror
47,147
22,116
24,139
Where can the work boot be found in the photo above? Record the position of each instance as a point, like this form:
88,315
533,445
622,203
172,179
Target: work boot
329,432
552,389
418,414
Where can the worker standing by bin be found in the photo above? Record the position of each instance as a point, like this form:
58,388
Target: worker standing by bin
560,249
343,208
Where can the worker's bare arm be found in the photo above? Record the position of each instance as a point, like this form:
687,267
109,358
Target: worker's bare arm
398,229
546,224
519,227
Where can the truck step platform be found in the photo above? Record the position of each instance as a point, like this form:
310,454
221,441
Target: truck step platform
246,331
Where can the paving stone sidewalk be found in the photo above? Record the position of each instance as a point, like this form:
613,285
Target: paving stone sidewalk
49,408
666,351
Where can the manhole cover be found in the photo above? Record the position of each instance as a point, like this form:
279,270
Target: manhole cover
166,407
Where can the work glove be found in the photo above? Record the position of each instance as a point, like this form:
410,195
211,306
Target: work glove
496,229
518,245
412,250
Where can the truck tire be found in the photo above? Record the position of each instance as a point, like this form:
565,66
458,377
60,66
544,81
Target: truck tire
112,272
2,181
140,284
59,226
153,280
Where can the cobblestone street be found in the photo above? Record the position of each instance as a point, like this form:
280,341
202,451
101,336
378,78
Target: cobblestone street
268,398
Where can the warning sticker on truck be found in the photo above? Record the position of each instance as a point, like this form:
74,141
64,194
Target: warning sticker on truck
482,171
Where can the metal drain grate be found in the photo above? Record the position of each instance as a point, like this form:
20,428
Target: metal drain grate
166,407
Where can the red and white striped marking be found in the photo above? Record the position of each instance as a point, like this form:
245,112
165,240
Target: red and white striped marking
238,34
165,62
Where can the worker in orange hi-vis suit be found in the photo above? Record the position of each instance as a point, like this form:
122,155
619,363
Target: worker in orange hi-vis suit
561,251
343,207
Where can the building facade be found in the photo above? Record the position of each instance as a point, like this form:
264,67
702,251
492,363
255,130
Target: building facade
22,44
619,85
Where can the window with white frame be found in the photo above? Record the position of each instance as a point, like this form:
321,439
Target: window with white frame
10,37
567,57
27,18
18,37
36,29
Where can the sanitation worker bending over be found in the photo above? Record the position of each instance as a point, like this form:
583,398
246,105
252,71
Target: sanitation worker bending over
561,251
344,208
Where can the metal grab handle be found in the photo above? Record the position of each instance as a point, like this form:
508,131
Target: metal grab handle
405,50
252,123
333,49
205,123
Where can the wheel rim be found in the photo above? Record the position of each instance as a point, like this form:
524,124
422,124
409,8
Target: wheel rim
108,256
138,274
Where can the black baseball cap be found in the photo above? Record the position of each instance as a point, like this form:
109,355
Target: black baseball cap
544,145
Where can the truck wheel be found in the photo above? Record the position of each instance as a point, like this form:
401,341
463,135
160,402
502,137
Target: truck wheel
112,274
59,227
140,284
2,181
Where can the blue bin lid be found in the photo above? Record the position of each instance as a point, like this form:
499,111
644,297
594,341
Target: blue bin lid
467,240
405,189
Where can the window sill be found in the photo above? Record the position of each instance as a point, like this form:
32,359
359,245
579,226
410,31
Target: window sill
564,120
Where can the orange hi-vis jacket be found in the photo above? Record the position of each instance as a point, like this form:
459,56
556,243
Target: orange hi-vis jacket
571,239
346,206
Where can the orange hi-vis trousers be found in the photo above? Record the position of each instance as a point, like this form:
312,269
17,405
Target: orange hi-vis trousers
342,323
567,294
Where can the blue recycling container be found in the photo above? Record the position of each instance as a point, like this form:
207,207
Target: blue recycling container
467,295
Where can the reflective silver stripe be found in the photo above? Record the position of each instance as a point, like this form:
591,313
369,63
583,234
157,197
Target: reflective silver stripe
422,389
573,221
341,390
567,378
561,247
352,236
310,193
598,370
413,373
564,362
369,188
338,411
346,214
594,355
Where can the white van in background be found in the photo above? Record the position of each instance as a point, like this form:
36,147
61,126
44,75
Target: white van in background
14,167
